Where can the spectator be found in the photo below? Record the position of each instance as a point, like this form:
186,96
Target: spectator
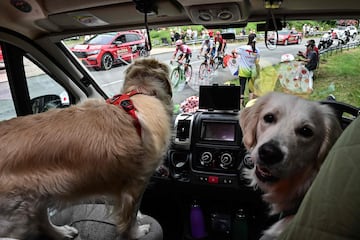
311,59
172,37
188,33
195,35
176,36
316,49
249,67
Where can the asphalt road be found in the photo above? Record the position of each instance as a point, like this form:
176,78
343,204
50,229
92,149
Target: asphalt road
111,80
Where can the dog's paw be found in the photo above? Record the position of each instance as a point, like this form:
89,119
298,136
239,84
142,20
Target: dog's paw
140,231
67,231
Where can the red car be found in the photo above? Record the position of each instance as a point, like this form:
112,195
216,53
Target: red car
102,51
286,37
1,60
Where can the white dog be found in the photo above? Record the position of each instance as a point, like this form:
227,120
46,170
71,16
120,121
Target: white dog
288,139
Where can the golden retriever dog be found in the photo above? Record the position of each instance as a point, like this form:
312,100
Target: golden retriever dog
288,139
86,150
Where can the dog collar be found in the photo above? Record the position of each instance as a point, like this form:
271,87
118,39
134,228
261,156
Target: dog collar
124,101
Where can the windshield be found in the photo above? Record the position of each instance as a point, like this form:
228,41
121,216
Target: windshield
282,66
101,39
284,32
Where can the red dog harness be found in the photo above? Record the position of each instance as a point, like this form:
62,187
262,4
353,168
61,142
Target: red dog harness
124,101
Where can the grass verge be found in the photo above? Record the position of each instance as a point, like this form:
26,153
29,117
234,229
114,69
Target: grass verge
338,74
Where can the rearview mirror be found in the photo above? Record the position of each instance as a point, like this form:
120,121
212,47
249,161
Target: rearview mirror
261,27
229,35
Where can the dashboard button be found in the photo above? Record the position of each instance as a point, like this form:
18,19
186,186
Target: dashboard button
213,179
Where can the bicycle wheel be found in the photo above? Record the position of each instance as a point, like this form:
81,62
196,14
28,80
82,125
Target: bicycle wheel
219,62
143,53
188,73
212,66
175,78
222,62
203,71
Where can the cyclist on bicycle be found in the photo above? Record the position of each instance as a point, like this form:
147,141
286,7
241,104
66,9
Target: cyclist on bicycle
185,52
222,43
208,45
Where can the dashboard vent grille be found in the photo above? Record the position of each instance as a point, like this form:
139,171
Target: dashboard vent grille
183,130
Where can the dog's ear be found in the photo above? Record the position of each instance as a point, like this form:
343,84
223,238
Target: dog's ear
248,122
332,132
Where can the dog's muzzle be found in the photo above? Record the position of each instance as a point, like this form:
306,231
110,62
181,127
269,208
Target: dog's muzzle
264,174
269,154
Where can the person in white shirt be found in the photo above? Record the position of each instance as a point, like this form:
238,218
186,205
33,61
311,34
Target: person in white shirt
249,68
208,47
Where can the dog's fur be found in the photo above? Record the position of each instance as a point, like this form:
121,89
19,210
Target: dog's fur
86,150
288,138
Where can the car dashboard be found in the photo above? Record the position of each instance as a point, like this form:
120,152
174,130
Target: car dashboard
204,166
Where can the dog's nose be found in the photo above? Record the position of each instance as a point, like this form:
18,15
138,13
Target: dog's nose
270,153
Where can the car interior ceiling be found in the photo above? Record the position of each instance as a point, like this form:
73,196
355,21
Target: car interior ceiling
54,17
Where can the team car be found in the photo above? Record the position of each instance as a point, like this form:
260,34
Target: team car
105,50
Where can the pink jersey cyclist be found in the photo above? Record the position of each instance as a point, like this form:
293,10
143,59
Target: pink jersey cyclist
185,52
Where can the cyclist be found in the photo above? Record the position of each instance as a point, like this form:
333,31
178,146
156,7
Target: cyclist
222,43
185,52
208,45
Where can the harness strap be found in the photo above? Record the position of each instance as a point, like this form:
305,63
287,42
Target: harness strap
124,101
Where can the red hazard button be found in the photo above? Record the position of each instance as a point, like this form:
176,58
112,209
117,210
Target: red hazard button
213,179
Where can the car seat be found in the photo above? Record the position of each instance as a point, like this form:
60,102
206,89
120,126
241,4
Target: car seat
330,209
94,222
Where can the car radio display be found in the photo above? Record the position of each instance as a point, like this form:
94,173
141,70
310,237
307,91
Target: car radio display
218,131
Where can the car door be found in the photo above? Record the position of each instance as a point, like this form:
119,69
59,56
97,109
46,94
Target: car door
293,37
123,49
133,40
25,87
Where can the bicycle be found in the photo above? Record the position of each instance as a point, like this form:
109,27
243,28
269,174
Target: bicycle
206,68
143,52
179,77
219,61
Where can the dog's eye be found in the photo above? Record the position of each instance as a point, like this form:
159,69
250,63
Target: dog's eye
305,132
269,118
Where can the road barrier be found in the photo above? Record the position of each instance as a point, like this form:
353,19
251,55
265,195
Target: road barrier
339,48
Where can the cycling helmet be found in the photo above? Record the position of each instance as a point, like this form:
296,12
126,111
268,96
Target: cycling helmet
179,42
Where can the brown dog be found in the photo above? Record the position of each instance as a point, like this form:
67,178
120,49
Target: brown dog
91,149
288,139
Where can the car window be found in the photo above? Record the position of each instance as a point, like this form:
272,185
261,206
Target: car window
7,108
38,83
132,37
100,39
121,38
